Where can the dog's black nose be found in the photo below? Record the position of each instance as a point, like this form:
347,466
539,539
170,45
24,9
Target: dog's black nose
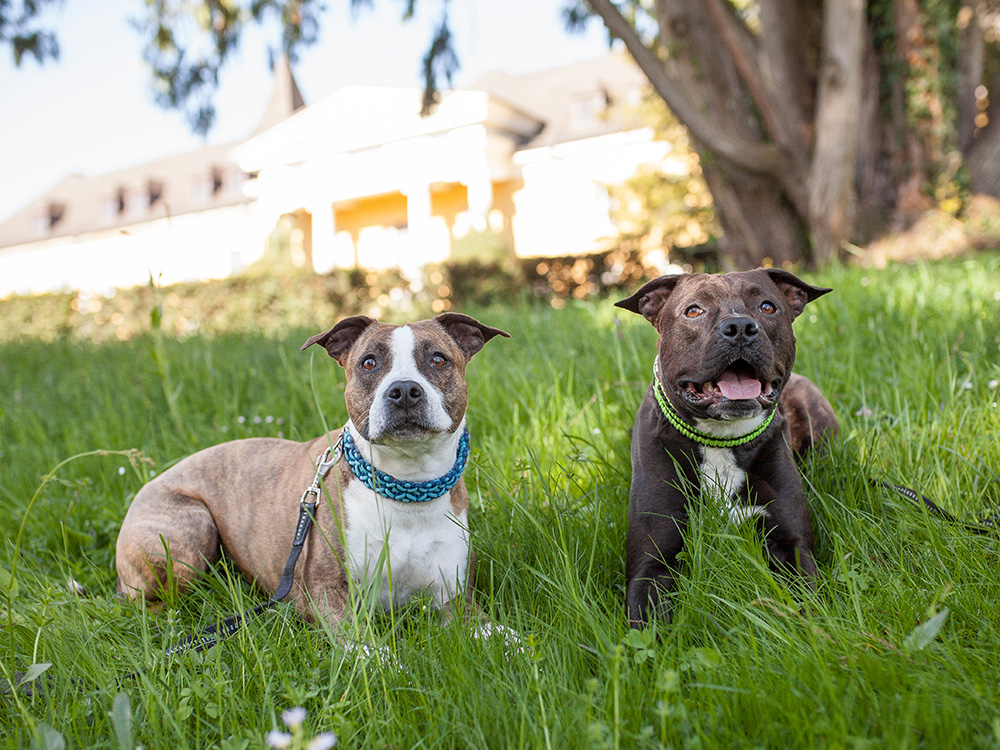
738,329
405,393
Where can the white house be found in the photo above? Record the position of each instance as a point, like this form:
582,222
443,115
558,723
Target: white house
362,180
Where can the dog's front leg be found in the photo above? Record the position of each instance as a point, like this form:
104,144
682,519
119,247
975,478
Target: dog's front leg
788,534
655,539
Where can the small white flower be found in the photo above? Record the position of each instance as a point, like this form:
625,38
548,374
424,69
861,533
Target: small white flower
323,741
269,419
121,471
152,473
257,420
864,411
967,385
280,420
597,431
241,419
993,384
294,717
278,739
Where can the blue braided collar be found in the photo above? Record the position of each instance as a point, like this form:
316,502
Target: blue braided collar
404,490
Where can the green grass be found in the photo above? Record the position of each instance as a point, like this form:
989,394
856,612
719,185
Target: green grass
898,646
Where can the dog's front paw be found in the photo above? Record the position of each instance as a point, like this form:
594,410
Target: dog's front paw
513,643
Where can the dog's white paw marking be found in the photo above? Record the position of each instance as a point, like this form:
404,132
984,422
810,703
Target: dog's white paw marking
741,513
512,641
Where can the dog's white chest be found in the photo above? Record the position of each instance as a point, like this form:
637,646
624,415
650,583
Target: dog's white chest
402,549
723,479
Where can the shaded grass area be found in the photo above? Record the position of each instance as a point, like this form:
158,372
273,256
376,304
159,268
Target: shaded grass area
896,647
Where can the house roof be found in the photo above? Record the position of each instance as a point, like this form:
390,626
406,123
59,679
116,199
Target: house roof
286,99
180,184
579,100
354,118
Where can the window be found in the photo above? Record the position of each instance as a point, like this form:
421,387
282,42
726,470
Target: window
113,206
587,110
154,192
48,218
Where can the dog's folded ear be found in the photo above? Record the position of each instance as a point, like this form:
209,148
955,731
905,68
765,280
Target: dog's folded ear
468,333
796,291
650,298
339,339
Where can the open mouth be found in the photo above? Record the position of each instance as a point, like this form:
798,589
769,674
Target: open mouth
738,382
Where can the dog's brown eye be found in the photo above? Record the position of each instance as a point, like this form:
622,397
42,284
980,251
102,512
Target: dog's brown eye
768,308
693,312
438,360
369,363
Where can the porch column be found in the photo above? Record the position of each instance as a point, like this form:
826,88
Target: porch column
324,255
418,220
480,191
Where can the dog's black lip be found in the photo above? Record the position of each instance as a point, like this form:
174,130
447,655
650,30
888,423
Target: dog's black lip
404,430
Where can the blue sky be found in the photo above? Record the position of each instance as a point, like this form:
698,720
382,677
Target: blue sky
92,110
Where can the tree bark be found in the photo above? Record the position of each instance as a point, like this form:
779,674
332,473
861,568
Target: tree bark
832,178
971,59
824,120
748,174
984,154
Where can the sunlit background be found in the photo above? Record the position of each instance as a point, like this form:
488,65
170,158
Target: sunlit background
92,111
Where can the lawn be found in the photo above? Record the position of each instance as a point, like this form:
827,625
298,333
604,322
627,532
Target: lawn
899,646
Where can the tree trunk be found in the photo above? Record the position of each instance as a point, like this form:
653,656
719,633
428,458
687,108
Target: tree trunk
759,227
821,120
984,154
760,223
831,180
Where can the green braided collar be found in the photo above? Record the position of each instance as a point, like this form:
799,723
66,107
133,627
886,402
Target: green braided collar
690,432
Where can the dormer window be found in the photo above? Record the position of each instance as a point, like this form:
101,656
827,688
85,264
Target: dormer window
154,192
56,211
48,219
206,188
113,206
588,109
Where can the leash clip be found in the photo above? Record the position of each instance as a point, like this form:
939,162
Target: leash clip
324,462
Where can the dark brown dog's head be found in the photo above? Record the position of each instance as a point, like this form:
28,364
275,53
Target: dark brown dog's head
726,344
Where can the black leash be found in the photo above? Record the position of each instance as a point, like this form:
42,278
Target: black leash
987,525
215,632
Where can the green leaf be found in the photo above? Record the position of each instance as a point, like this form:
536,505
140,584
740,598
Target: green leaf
7,584
637,639
925,633
48,738
121,720
701,658
34,672
669,681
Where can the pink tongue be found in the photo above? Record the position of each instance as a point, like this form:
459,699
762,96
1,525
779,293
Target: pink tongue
736,387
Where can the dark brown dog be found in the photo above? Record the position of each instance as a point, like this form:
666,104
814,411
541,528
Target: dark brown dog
721,418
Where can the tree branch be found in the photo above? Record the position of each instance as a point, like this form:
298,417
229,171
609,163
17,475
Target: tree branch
747,69
752,156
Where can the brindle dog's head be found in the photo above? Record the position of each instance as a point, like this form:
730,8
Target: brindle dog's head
405,382
726,345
